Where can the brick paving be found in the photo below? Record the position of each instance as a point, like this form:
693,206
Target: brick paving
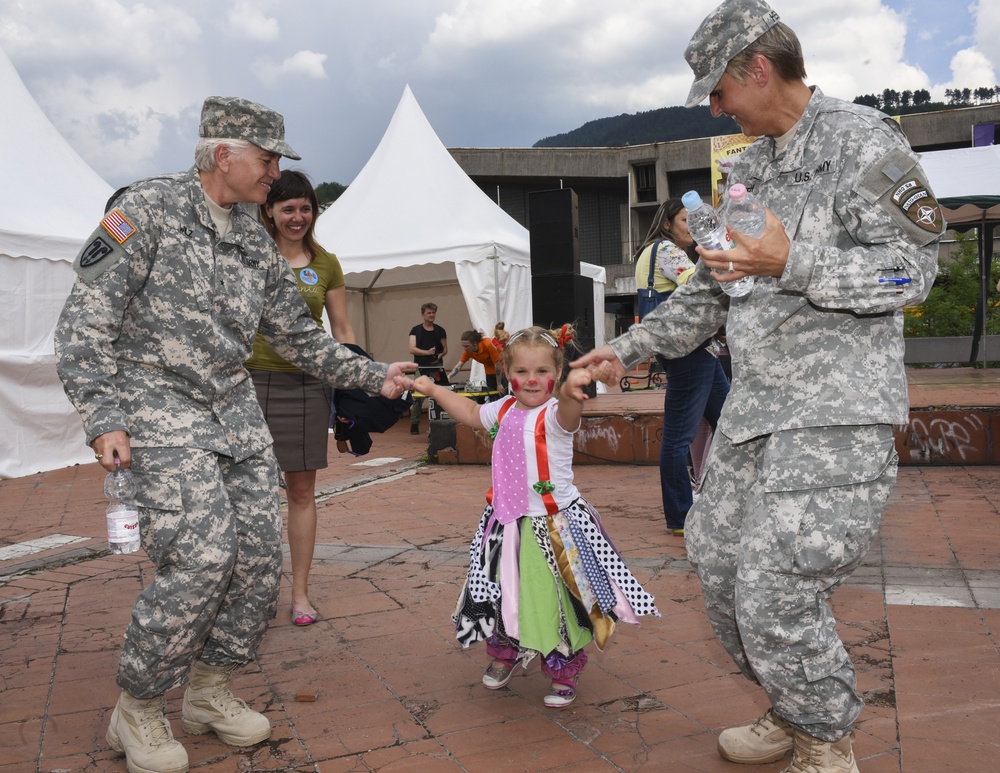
393,692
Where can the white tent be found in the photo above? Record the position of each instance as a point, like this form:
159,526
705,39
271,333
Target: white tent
413,227
51,202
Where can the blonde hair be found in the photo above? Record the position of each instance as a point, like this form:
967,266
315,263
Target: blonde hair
500,334
554,340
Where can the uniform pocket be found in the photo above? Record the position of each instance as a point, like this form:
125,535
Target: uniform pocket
824,493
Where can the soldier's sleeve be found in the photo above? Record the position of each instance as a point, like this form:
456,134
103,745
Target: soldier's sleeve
107,276
294,334
886,254
692,314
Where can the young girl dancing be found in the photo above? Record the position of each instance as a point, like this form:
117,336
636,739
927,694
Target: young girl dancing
544,578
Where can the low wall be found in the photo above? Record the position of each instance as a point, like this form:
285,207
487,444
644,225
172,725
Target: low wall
952,436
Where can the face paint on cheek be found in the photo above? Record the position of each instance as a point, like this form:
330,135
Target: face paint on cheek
550,386
515,383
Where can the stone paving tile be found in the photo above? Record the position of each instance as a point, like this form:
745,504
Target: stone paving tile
394,692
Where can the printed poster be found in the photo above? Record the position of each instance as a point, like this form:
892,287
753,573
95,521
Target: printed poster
725,150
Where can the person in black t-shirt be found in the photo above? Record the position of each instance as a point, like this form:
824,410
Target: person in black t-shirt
428,345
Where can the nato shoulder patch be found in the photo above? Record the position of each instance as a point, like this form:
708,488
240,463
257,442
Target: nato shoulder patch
916,202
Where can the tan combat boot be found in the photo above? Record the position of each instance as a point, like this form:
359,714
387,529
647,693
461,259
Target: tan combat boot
140,729
209,705
768,739
813,755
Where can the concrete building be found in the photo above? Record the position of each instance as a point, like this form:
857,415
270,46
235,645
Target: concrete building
620,188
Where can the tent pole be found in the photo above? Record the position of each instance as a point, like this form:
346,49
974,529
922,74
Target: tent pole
364,310
496,287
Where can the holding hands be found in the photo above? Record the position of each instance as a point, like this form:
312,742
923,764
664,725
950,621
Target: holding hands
422,384
396,381
602,363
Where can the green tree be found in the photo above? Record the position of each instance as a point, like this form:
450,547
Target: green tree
868,99
950,309
327,193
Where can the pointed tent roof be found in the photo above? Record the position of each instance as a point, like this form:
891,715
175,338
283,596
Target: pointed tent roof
51,199
412,204
50,202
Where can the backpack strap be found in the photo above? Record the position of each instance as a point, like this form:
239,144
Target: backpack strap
652,262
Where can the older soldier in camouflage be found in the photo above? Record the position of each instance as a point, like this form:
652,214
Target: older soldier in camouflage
804,459
170,292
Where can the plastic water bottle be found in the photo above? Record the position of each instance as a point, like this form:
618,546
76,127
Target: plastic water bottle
707,228
123,515
744,213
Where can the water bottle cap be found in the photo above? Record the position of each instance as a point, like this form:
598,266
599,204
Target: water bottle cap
737,192
691,200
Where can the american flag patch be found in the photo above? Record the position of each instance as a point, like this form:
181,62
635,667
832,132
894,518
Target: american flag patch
116,224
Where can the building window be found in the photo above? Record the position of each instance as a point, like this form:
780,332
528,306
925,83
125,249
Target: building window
691,180
645,182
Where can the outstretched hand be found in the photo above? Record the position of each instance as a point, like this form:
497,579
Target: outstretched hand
423,384
608,368
396,381
577,380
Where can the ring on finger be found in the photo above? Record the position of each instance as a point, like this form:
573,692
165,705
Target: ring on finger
731,269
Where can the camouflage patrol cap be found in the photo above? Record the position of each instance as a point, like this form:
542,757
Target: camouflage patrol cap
233,118
730,28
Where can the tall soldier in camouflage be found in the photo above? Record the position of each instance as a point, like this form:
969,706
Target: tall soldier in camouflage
804,458
170,292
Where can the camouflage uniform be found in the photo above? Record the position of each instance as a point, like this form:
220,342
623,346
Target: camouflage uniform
152,341
804,459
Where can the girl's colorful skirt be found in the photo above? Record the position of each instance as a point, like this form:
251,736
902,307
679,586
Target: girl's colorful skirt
547,584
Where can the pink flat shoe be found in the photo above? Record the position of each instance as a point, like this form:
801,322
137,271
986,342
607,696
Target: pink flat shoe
304,618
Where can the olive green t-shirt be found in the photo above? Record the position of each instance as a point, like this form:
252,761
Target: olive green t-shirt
323,273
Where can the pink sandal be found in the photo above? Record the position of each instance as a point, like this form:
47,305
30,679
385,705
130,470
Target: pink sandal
304,618
561,693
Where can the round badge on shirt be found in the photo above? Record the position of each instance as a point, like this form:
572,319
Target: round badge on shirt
308,276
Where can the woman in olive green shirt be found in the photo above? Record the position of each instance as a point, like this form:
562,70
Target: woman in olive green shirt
295,404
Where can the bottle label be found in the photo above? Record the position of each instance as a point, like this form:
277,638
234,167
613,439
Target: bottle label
717,240
123,525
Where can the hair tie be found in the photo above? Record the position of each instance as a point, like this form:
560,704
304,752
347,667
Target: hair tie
564,337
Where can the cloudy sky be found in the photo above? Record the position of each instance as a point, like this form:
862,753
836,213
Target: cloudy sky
124,81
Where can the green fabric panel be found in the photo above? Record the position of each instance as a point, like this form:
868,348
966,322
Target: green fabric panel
539,600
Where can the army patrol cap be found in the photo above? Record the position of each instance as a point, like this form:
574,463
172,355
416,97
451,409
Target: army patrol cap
725,32
233,118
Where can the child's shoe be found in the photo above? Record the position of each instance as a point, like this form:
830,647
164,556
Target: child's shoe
561,693
498,674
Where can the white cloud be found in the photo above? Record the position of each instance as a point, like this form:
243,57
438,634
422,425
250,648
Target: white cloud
977,65
970,69
124,80
305,63
986,22
251,23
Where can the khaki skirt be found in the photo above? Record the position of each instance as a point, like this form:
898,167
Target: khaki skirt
297,409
